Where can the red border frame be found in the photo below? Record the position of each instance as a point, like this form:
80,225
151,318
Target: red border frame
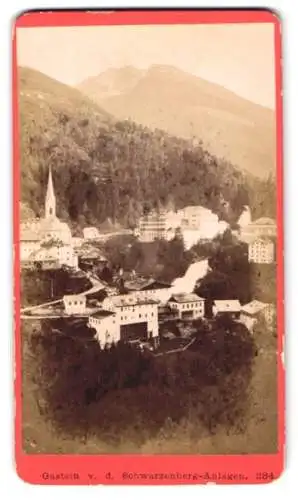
108,469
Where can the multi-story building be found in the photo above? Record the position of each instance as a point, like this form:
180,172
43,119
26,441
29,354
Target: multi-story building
188,305
129,319
106,326
152,226
197,217
261,251
254,310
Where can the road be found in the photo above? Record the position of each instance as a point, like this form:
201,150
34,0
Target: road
53,316
96,287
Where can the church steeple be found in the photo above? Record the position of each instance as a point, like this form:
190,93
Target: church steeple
50,205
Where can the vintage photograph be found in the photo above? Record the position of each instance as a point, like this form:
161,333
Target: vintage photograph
148,239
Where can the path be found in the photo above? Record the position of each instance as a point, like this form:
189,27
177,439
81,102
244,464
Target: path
179,349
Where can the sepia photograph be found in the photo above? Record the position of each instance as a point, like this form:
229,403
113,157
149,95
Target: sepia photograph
148,239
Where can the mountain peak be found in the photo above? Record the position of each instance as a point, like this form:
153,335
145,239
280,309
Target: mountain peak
164,68
112,82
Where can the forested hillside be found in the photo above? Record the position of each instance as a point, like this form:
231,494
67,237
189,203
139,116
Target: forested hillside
104,169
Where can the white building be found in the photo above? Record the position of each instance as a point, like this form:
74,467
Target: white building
30,243
188,305
47,240
91,233
261,251
55,229
199,223
197,217
129,319
231,308
254,310
30,225
106,327
195,222
74,304
64,254
263,227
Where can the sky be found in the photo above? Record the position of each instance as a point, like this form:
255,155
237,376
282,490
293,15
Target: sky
240,57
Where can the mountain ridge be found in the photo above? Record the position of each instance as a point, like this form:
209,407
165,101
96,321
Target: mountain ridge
104,168
187,106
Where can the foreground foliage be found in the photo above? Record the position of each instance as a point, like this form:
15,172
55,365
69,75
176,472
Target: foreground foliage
123,392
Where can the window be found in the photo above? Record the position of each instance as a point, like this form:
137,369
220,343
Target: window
140,315
152,314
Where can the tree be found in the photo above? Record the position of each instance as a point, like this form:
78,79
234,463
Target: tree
216,285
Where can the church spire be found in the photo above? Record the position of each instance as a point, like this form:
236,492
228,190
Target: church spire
50,205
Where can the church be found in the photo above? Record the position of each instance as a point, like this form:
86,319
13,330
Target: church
47,241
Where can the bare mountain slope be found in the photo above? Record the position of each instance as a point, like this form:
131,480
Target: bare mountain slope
187,106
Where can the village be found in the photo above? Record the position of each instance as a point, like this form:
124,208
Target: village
147,312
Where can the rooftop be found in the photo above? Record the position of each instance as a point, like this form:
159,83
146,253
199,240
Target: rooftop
29,235
139,284
254,307
186,297
54,224
75,296
227,305
195,209
90,252
262,239
264,221
130,300
44,254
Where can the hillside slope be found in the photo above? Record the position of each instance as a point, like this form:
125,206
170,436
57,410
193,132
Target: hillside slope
104,168
187,106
